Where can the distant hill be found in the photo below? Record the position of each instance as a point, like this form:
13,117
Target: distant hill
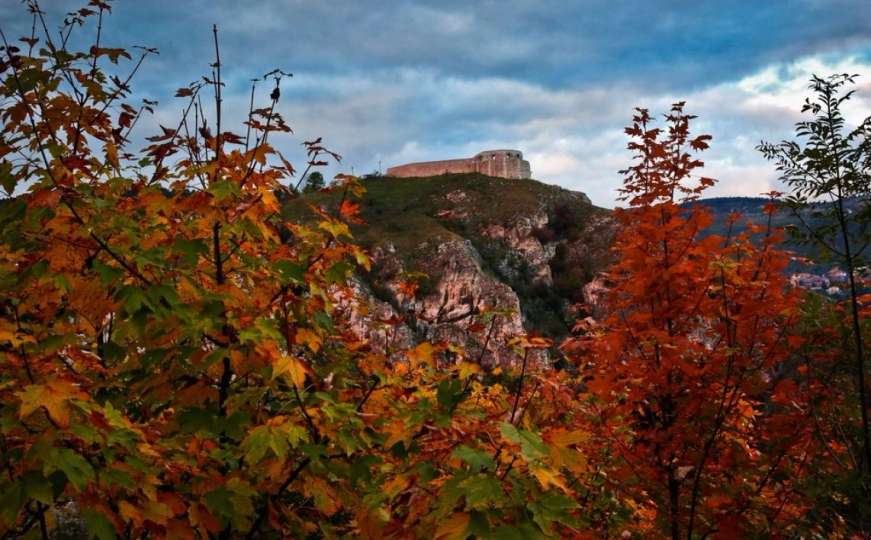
751,209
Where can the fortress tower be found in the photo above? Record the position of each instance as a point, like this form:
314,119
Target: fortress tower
505,163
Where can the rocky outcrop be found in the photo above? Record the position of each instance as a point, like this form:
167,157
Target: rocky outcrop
520,242
453,253
461,296
372,319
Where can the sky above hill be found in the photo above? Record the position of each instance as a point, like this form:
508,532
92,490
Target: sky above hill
390,82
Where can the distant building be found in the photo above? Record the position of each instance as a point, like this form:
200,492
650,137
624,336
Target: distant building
498,163
836,275
805,280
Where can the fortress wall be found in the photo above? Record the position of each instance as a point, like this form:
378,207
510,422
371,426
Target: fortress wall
434,168
503,164
497,163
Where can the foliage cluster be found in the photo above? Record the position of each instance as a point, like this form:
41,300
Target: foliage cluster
174,362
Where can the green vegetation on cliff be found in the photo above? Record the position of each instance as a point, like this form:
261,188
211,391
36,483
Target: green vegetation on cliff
416,215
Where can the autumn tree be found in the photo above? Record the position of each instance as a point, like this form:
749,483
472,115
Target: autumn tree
172,362
687,370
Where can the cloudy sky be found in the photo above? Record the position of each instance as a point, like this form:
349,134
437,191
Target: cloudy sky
387,82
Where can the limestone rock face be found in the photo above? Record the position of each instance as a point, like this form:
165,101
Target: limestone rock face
463,291
372,319
475,247
594,296
445,312
522,243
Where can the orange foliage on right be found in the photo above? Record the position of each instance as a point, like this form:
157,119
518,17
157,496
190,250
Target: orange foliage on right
689,370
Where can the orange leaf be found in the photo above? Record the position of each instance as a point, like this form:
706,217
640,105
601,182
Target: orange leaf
309,338
454,528
422,354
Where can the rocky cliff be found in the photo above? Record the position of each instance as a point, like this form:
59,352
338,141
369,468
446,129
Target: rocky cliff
472,260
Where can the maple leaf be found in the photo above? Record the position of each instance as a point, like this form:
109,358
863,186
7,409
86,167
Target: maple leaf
53,396
453,528
336,228
309,338
350,211
291,367
547,478
422,354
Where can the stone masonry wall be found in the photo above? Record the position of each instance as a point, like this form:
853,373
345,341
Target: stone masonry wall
499,163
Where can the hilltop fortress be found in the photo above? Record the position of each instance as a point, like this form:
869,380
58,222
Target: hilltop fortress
499,163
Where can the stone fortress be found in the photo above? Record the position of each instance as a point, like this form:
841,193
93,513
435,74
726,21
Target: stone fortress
500,163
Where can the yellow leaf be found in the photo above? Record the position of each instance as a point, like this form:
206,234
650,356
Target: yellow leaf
362,258
398,432
112,155
53,396
335,228
323,494
547,478
454,528
370,522
395,485
289,367
270,203
467,368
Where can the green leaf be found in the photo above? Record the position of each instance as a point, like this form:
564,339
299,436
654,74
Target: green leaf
531,445
223,189
232,502
7,179
132,298
323,320
525,530
258,442
37,487
476,459
339,272
450,393
77,470
12,211
98,525
552,508
361,469
163,293
234,426
481,491
196,420
290,272
190,249
11,500
108,274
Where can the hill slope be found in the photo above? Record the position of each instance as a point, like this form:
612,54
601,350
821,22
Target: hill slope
473,244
